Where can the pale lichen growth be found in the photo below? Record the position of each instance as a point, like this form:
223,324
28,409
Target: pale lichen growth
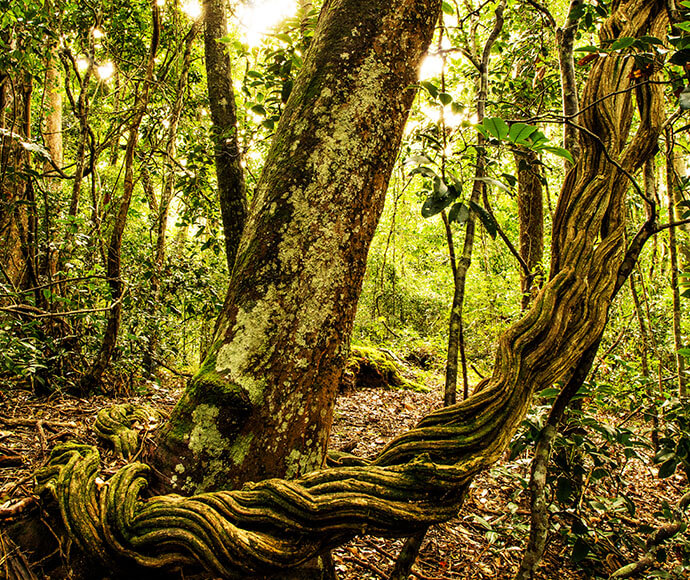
205,436
252,341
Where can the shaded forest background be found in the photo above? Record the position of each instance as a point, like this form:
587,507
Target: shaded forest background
113,254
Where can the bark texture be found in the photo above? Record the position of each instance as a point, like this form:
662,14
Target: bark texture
420,477
15,108
530,198
221,95
267,388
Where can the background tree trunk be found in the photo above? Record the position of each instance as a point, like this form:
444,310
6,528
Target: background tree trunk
105,353
229,172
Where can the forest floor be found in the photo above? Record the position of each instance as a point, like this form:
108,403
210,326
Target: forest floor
485,540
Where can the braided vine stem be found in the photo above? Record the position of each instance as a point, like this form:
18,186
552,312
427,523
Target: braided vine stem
122,425
421,476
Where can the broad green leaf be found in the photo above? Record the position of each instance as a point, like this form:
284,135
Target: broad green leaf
564,153
434,205
520,132
495,183
458,213
440,187
481,521
668,467
622,43
651,40
425,171
418,160
448,9
589,48
510,178
486,219
496,126
431,88
580,550
564,488
685,26
259,110
445,98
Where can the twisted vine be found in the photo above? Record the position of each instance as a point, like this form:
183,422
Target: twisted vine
122,425
420,477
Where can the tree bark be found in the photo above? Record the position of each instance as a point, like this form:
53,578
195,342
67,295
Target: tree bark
229,172
530,198
14,215
268,386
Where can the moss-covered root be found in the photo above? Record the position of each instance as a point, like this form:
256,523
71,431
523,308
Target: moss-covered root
122,425
372,368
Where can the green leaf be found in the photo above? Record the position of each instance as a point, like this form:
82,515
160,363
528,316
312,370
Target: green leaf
580,550
668,467
425,171
622,43
495,183
434,205
564,153
651,40
680,57
458,213
448,9
418,159
431,88
589,48
445,98
511,179
520,132
482,522
564,488
284,37
440,187
259,110
486,219
685,26
496,127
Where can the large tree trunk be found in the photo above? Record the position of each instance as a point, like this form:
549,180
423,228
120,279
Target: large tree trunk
281,329
267,388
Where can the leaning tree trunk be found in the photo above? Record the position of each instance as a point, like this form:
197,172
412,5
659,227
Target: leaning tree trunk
267,388
420,477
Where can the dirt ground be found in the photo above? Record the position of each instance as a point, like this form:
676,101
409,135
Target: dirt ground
485,540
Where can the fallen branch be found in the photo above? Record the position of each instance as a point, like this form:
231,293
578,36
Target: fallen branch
14,507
